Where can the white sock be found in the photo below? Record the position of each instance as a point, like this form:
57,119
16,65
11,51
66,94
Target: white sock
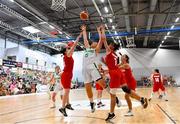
164,95
151,95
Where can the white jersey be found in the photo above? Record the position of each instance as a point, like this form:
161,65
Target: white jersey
58,85
57,77
89,58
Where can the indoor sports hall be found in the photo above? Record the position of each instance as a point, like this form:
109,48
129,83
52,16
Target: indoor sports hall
89,61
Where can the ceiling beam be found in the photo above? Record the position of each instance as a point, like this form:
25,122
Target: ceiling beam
8,10
124,14
167,16
20,32
37,13
150,20
117,3
125,8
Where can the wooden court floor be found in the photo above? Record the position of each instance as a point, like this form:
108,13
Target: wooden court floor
34,109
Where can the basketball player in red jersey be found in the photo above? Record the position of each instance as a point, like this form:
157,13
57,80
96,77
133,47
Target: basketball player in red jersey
67,74
130,80
117,78
157,80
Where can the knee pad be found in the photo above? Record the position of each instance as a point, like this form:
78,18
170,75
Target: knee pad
126,89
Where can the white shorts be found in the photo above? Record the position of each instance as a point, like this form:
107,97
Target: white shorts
113,91
58,88
91,74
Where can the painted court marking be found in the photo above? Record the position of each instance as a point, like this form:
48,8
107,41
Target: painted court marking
84,104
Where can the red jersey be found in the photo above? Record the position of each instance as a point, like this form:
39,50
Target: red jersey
68,63
116,75
130,80
111,61
157,78
157,82
128,75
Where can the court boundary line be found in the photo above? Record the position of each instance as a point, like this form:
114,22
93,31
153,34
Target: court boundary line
23,109
174,122
28,120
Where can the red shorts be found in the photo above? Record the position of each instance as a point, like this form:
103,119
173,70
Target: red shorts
131,83
158,86
116,78
66,78
98,87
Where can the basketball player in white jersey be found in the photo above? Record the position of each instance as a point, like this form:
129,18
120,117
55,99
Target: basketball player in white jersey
90,68
55,79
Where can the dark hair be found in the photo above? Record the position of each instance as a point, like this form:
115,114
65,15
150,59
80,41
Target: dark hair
115,45
57,66
63,50
156,70
127,58
91,41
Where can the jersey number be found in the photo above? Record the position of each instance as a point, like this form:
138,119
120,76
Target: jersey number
157,79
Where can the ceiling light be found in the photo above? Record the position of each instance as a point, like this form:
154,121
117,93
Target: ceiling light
106,26
60,32
163,41
165,37
172,26
113,27
67,37
168,33
102,1
115,32
51,26
177,19
31,29
110,20
11,0
42,23
135,31
106,9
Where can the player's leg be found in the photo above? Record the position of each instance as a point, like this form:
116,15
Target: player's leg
64,101
68,105
89,92
164,92
129,103
111,115
134,95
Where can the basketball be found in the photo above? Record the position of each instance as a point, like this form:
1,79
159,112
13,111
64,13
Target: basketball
84,15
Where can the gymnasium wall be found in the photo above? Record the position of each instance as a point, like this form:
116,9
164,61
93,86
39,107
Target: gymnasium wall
2,42
9,44
22,52
2,49
143,61
2,53
36,55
